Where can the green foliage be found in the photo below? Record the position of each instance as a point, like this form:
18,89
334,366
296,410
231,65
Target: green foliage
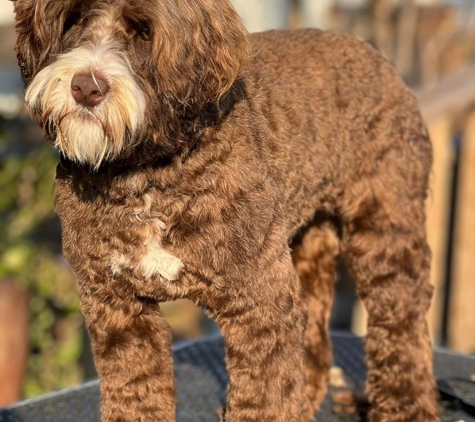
30,253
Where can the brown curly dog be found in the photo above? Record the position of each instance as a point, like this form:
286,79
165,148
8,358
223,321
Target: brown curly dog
200,162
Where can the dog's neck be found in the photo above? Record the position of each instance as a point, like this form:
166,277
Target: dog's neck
182,143
147,166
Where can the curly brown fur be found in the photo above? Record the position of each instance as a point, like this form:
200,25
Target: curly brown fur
210,154
314,258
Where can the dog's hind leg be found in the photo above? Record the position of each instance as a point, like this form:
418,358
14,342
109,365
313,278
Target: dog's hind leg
314,258
384,241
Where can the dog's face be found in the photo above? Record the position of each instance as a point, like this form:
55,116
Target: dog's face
103,76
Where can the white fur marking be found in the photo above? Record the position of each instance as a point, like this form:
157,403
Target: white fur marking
158,261
155,260
118,262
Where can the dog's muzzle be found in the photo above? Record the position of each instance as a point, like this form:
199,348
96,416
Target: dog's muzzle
89,99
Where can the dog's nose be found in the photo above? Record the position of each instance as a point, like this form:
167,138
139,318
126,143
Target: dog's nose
89,90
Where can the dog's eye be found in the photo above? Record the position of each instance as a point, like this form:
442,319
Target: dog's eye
144,31
72,19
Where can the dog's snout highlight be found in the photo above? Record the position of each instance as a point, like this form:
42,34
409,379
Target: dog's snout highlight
89,90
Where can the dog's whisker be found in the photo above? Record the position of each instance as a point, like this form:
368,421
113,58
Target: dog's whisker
97,83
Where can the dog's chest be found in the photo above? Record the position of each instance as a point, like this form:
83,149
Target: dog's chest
149,258
119,232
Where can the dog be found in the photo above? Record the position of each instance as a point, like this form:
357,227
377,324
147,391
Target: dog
200,162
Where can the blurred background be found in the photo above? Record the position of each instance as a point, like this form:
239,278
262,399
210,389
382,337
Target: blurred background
43,345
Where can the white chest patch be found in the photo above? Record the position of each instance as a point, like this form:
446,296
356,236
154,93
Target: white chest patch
158,261
155,261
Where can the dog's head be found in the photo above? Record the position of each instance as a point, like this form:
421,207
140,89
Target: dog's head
103,76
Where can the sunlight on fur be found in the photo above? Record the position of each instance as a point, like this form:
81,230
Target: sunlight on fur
83,135
234,170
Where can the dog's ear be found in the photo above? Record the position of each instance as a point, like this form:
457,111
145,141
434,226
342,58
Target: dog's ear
202,46
39,29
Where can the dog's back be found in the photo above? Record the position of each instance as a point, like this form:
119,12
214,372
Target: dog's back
336,108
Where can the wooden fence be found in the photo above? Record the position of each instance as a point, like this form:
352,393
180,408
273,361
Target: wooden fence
449,111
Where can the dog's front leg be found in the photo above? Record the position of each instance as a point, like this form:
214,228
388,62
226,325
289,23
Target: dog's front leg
263,325
132,351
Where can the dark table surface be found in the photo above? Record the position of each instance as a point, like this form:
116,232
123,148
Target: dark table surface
201,383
